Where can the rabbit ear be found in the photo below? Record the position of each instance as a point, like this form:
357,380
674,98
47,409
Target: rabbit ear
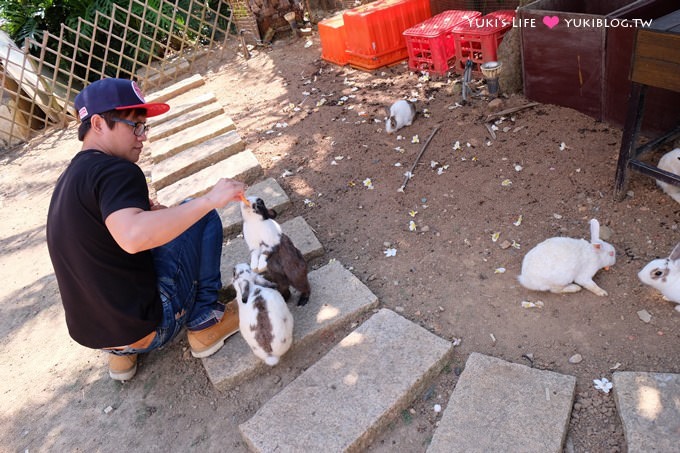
594,230
675,254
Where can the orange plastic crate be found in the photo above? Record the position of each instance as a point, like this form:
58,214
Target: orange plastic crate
375,30
333,37
479,41
377,61
430,44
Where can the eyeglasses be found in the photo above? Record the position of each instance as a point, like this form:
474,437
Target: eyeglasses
138,129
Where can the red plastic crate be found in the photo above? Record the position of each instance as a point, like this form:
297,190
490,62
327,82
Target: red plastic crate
333,37
430,44
375,30
479,40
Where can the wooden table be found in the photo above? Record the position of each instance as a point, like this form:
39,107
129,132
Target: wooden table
656,63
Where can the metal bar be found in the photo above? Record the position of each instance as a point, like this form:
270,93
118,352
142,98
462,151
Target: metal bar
631,129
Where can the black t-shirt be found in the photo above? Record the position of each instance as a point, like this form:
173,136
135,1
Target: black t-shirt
110,296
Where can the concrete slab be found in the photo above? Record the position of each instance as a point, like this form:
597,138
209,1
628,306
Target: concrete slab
191,136
181,105
242,166
177,88
337,299
269,190
503,406
341,402
236,250
649,407
189,119
198,157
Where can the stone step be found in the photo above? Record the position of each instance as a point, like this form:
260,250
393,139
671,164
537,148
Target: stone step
343,401
269,190
649,407
177,88
503,406
195,158
180,106
191,136
337,299
236,250
189,119
242,167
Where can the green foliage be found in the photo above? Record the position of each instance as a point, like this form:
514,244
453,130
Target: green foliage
151,30
27,19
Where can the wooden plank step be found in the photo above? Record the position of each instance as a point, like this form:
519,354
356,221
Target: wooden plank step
181,106
176,89
186,138
242,167
196,158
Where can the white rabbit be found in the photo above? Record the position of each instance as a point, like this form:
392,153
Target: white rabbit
671,163
272,251
260,231
664,275
564,265
264,319
402,114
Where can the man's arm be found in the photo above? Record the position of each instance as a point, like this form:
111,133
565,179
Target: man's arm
136,230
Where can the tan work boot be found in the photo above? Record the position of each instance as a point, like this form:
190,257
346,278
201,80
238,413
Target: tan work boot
122,367
206,342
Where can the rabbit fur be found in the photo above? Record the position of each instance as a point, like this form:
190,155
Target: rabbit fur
272,251
670,162
401,114
564,265
664,275
265,321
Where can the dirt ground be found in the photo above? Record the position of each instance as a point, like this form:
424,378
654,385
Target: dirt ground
318,129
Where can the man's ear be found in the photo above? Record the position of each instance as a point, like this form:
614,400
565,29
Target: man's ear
97,123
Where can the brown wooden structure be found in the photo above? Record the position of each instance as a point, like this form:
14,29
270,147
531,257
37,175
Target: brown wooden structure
656,63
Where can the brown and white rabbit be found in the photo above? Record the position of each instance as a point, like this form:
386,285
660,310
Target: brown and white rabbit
564,265
265,321
664,275
272,251
671,163
402,113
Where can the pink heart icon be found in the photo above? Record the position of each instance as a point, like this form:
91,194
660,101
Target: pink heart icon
551,21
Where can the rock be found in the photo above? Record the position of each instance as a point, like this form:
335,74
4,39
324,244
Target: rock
644,316
576,358
605,233
495,105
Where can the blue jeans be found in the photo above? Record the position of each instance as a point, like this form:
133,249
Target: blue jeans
188,273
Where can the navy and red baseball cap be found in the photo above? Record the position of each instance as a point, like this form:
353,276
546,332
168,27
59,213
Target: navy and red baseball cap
114,94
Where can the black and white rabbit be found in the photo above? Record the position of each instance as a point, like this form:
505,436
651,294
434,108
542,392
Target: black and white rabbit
664,275
272,251
402,113
671,163
265,321
564,265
